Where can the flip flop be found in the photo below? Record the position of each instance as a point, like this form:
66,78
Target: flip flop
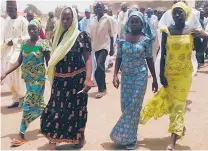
100,95
17,143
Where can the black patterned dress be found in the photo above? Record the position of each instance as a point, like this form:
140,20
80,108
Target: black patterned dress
64,118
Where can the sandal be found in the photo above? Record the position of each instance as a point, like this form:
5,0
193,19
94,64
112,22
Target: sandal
169,148
81,144
17,143
100,95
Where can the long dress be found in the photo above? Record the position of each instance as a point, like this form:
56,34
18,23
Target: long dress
65,116
33,73
133,87
178,71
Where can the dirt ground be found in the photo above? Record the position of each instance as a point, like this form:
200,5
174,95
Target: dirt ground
104,113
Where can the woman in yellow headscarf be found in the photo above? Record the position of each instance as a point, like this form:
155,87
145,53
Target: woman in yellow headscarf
69,71
175,75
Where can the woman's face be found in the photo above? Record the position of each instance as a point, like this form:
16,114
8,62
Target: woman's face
66,18
135,24
179,16
33,31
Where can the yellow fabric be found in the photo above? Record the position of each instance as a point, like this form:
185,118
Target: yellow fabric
178,71
183,6
59,52
35,22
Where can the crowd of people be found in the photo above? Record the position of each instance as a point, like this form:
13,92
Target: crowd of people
74,53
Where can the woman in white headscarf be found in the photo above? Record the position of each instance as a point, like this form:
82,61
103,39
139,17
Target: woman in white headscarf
69,71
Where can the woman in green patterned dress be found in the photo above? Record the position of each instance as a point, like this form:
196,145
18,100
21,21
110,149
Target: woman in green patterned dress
34,53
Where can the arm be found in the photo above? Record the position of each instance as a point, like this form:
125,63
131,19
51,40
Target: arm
162,61
117,66
151,67
47,57
111,34
88,60
13,67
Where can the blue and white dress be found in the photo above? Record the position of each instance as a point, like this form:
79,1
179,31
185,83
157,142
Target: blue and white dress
133,87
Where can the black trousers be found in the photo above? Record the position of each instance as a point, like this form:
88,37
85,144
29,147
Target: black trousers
100,70
200,58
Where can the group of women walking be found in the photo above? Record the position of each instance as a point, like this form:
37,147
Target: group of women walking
64,118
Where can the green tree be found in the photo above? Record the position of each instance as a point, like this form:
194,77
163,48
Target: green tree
33,8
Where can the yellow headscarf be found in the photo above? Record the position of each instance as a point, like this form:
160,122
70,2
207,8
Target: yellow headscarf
60,51
183,6
35,22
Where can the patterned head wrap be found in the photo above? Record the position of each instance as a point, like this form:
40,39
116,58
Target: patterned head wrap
183,6
11,4
35,22
140,16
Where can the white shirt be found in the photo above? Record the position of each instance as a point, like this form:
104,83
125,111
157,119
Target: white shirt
100,32
122,19
192,22
84,24
2,22
17,31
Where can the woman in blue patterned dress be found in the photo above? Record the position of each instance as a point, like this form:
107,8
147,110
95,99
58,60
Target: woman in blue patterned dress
33,53
133,53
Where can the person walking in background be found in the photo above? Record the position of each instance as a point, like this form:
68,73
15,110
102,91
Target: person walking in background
69,72
175,74
33,53
134,52
101,32
151,17
50,27
86,20
14,33
30,16
122,17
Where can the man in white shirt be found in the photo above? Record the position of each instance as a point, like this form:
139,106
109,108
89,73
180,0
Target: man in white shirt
15,32
86,20
101,32
151,17
122,17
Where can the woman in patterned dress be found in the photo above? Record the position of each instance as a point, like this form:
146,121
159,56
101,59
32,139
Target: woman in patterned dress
133,53
175,75
69,71
33,53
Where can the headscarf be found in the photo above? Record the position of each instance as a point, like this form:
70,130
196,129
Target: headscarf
139,15
183,6
11,4
35,22
146,28
149,10
60,51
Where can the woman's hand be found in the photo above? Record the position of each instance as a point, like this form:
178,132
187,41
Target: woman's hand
163,81
116,82
87,86
3,76
154,85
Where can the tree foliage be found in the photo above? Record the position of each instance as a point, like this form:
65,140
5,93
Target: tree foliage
33,8
58,11
200,3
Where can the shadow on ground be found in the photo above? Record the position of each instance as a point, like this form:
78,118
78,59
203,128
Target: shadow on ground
5,110
159,144
148,143
29,135
59,147
5,94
